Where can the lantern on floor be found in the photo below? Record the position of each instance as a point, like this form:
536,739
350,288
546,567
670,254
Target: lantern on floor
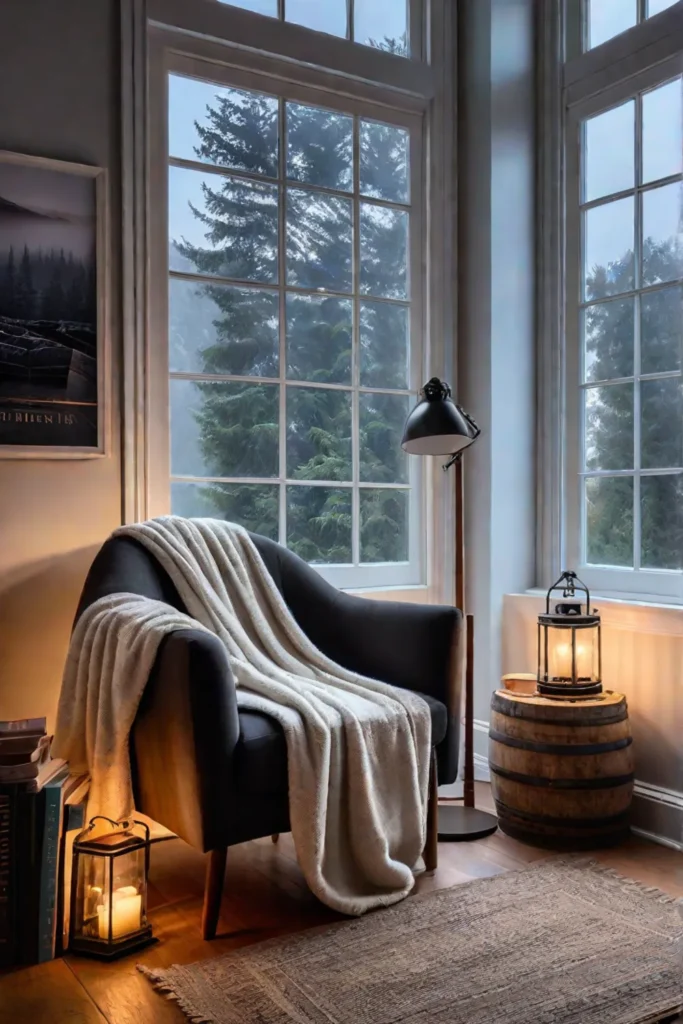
109,890
569,643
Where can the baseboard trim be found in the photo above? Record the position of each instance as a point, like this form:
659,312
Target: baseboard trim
654,838
659,794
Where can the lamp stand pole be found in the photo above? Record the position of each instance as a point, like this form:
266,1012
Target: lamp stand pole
461,824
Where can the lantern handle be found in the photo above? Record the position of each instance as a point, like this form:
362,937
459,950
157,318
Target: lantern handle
124,823
569,583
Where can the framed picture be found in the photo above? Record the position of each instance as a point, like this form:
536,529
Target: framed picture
53,309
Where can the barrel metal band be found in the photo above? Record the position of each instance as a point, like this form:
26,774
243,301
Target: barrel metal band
504,811
560,748
543,783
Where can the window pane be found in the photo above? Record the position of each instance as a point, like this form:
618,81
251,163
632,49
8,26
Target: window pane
383,251
607,18
222,226
656,6
609,520
319,233
662,244
608,233
383,525
319,147
319,333
222,329
662,131
224,429
609,427
226,127
661,330
661,512
318,434
608,340
382,23
382,419
384,345
321,15
257,6
609,152
319,523
253,506
661,418
384,162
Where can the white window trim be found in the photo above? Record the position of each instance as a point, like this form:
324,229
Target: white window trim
352,74
588,83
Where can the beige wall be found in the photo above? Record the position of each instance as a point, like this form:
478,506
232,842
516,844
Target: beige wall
642,649
59,97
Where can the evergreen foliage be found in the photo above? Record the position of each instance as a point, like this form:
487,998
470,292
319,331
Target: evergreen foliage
609,332
225,329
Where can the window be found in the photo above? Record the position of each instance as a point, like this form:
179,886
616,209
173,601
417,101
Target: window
608,18
379,23
624,331
293,261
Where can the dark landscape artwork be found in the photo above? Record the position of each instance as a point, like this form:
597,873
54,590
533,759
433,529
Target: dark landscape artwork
48,307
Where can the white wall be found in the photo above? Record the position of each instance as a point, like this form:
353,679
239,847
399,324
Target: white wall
59,97
496,255
642,654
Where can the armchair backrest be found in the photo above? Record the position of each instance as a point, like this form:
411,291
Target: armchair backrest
124,566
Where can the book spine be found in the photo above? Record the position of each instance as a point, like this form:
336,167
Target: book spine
30,820
19,772
48,872
7,944
23,725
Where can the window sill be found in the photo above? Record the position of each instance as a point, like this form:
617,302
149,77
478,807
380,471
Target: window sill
622,612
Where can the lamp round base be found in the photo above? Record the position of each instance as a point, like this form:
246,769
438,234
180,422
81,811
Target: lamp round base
458,824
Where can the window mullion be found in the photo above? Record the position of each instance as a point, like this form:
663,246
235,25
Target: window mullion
638,259
355,352
282,337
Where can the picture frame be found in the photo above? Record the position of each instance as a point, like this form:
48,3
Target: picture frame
54,309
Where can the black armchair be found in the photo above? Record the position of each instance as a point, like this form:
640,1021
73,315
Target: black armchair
217,775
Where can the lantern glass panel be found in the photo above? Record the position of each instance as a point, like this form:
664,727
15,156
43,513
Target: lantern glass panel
128,911
579,665
94,886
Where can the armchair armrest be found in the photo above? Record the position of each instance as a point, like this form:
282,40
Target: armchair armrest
184,737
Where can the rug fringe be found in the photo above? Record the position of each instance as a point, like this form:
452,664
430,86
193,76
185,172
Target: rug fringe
603,869
162,986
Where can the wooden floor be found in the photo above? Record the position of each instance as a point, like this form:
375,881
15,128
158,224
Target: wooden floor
265,895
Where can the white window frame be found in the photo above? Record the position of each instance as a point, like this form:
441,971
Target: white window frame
199,36
586,84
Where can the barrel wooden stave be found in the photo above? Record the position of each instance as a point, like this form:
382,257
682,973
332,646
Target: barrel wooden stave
538,748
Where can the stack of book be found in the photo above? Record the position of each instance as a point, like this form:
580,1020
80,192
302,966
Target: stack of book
39,803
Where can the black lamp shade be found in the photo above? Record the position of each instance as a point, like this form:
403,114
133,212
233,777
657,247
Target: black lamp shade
437,426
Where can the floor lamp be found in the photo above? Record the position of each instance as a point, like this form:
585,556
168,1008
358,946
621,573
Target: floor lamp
437,426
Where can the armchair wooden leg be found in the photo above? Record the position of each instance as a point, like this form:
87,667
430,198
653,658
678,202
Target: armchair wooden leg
275,836
213,891
431,850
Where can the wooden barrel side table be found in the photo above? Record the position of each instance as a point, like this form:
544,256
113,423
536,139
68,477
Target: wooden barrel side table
561,771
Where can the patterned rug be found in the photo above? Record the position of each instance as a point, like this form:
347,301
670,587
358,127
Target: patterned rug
567,942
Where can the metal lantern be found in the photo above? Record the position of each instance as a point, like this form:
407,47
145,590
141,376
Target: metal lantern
569,643
109,890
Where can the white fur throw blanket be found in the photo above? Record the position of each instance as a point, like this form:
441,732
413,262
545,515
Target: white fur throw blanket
358,750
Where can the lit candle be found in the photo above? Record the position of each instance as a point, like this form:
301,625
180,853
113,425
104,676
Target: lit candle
126,913
562,660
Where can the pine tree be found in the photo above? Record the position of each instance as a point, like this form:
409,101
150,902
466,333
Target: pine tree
238,422
8,287
25,292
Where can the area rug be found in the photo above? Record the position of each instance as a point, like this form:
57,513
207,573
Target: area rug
567,942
